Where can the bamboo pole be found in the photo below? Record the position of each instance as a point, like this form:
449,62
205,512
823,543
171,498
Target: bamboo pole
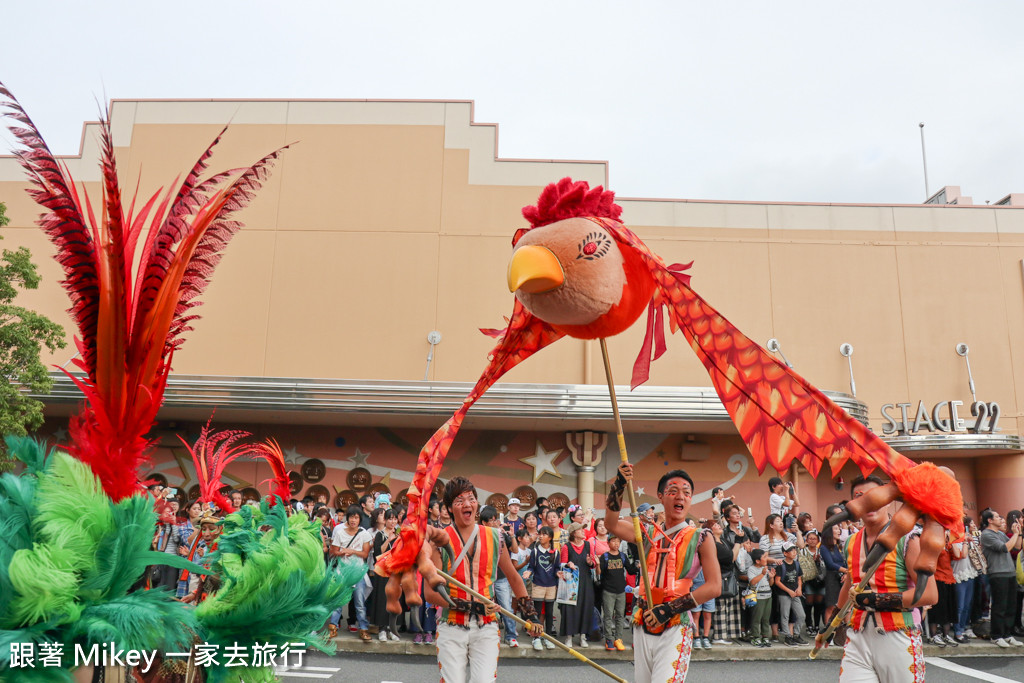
637,532
504,612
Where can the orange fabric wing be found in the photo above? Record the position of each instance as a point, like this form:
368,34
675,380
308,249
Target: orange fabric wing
781,416
524,336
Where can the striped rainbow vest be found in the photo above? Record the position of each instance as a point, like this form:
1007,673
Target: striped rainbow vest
478,570
891,577
672,565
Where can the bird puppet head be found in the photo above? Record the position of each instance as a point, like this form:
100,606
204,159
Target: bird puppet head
572,270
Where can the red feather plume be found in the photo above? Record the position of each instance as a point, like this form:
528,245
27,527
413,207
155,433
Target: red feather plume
129,324
281,484
211,454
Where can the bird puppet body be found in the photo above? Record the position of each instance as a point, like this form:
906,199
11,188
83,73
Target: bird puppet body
578,271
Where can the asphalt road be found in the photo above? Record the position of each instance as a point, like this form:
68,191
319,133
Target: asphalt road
385,668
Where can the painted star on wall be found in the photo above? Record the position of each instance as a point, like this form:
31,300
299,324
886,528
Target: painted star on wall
292,455
359,458
542,462
640,491
60,435
185,465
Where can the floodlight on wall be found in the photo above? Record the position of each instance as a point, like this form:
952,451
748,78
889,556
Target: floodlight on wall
433,338
846,350
962,350
774,346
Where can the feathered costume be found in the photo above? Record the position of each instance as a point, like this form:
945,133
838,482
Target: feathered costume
68,556
129,326
276,588
74,532
578,271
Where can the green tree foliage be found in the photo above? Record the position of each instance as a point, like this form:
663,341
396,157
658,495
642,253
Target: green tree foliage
23,333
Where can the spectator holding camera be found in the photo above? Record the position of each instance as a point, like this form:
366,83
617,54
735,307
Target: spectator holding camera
782,500
1002,579
733,528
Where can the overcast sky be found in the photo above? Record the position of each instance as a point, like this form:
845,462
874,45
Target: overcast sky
778,101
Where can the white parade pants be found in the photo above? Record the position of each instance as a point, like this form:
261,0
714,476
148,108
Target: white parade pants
664,657
893,657
475,648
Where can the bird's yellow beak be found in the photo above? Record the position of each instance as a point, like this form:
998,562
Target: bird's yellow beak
534,269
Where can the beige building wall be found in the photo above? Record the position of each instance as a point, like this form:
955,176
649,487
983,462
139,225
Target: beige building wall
386,220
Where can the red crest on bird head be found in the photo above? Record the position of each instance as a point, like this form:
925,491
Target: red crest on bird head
569,199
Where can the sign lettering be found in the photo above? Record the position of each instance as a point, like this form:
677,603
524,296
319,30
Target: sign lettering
944,417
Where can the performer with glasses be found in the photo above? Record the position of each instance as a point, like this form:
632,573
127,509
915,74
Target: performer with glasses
676,554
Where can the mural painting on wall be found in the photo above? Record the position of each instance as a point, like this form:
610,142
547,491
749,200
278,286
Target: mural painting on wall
498,501
319,494
377,489
314,470
526,495
524,465
345,499
359,479
403,497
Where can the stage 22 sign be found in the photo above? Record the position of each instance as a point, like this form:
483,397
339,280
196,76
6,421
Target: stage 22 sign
943,417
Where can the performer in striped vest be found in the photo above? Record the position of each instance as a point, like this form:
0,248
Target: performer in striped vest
467,636
884,638
676,553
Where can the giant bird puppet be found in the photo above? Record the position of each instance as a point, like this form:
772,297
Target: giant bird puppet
578,271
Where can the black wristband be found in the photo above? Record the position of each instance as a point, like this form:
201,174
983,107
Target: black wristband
614,500
667,610
880,602
462,605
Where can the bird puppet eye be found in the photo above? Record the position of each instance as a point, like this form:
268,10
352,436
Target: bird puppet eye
594,246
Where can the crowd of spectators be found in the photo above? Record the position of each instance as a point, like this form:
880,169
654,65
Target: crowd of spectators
781,582
784,581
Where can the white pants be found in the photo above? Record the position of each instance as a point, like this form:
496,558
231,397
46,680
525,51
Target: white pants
664,657
475,648
892,657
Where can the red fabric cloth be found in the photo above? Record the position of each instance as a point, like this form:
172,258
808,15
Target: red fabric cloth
944,567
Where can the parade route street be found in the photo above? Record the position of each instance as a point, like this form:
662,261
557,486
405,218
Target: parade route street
387,668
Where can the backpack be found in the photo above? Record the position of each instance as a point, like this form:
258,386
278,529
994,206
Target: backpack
807,564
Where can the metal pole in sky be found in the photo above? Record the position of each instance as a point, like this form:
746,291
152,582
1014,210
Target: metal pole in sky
924,160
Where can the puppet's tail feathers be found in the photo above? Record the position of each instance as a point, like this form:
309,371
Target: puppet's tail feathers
935,492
